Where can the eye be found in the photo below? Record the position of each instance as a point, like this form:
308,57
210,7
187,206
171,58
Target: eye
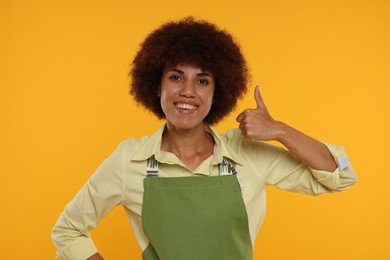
203,81
174,77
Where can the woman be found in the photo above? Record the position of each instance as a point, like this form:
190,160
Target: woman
189,192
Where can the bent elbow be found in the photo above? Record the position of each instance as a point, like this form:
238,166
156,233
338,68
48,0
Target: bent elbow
348,178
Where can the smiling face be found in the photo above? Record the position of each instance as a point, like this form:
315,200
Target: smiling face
186,96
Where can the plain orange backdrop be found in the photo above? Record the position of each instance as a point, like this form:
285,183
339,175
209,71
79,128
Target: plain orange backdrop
323,66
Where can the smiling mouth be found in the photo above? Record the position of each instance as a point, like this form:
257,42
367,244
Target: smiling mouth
186,106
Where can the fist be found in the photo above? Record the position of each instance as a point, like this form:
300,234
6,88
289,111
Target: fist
257,124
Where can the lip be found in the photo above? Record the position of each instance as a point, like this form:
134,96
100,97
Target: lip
186,107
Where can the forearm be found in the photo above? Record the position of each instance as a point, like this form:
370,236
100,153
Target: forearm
305,148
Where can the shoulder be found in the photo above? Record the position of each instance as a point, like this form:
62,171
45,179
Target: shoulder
143,148
236,141
234,138
232,135
132,146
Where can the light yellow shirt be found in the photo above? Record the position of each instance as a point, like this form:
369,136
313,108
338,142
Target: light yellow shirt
119,181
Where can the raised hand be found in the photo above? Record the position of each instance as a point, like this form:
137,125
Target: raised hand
257,124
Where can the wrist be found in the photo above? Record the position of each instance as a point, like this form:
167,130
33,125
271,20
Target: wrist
282,131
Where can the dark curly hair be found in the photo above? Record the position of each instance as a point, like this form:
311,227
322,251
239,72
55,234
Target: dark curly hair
199,43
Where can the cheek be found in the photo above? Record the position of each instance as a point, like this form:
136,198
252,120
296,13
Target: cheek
165,95
211,99
163,92
162,99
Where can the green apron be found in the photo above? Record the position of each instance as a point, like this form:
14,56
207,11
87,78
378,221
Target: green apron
195,218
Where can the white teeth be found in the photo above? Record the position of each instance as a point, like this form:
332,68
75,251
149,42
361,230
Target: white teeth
186,106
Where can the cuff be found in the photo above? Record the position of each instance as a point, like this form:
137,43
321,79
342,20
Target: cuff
328,179
332,179
80,249
339,156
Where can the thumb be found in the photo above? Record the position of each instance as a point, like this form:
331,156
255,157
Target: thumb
259,98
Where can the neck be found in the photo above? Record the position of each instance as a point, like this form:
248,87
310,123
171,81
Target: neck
187,144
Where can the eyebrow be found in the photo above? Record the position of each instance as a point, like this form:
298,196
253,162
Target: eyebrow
203,73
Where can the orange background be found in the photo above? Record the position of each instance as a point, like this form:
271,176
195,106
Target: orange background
323,67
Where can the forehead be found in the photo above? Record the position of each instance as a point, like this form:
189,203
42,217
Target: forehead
188,68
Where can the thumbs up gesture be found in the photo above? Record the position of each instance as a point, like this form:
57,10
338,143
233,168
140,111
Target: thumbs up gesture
257,124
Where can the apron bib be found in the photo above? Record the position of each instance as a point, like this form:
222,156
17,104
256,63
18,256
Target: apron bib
195,218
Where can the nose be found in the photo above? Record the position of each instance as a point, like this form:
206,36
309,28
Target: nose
188,89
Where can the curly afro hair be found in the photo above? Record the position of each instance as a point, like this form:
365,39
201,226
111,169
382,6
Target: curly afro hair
199,43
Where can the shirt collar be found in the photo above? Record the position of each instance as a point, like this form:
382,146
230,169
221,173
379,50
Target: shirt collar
222,150
152,146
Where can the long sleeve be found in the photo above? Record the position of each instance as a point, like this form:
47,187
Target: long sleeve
287,173
103,191
277,166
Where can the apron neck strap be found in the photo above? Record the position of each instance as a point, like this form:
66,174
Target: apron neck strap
225,167
152,167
